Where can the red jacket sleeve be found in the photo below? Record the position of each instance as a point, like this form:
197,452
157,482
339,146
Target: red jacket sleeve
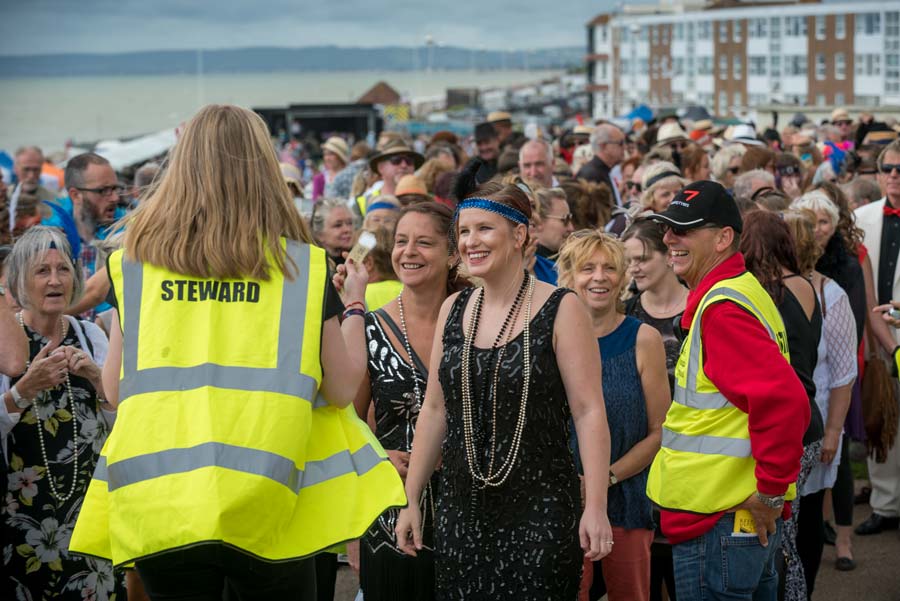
744,363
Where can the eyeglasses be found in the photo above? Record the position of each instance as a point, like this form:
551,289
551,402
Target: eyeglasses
105,190
733,170
400,159
619,143
566,219
887,168
636,186
843,122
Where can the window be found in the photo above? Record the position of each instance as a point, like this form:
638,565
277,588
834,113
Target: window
868,24
679,66
655,69
723,31
776,66
756,65
775,25
625,34
795,26
892,24
654,35
704,30
840,27
602,69
736,31
820,66
706,65
738,99
679,31
645,66
795,65
603,34
820,100
839,98
820,27
723,66
723,102
644,33
840,66
737,70
756,28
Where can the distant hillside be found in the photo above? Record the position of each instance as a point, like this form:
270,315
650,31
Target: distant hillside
260,60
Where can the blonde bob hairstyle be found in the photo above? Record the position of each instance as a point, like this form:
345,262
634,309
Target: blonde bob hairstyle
26,256
578,250
221,206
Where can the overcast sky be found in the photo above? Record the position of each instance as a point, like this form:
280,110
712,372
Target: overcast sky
51,26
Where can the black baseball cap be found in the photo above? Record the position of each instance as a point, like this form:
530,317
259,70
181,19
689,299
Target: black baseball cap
701,203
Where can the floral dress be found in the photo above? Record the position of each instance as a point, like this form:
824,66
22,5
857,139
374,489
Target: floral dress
35,527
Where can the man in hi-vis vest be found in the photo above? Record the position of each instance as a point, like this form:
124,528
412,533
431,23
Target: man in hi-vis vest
732,439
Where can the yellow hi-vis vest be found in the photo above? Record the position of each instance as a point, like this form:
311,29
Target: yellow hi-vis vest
705,464
378,294
219,435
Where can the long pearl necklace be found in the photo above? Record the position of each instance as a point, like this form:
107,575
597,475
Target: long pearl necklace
71,401
494,479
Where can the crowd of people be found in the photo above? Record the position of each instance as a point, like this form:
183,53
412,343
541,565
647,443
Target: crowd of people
567,366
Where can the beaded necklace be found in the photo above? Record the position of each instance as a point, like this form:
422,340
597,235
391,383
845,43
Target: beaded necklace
491,478
71,401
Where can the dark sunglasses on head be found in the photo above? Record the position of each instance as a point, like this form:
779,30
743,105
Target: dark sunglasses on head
636,186
789,170
400,159
887,168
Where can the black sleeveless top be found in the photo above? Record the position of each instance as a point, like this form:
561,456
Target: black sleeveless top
803,343
520,539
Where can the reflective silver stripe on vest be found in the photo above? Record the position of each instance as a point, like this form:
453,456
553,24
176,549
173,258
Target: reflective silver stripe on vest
705,445
689,396
249,461
284,379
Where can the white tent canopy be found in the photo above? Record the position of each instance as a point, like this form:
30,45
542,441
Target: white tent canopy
135,151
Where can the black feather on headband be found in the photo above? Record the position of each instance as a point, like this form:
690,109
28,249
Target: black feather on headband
466,181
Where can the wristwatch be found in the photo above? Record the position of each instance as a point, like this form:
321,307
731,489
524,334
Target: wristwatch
18,400
612,478
772,502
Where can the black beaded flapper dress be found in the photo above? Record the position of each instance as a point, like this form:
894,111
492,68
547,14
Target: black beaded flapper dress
519,540
386,573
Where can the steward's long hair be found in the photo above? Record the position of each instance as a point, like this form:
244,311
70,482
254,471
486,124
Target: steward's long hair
221,206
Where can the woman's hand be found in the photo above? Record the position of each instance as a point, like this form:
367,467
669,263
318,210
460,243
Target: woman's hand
409,529
47,370
82,365
829,446
400,459
350,281
595,534
885,311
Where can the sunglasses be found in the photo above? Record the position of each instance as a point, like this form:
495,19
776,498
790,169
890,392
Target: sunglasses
681,233
566,219
636,186
734,170
887,168
789,170
400,159
843,122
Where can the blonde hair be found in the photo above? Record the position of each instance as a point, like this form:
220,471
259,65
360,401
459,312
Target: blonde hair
221,206
802,223
578,250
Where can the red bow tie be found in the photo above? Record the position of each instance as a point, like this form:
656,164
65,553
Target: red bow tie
891,211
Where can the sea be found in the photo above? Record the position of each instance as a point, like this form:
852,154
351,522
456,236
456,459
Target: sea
49,112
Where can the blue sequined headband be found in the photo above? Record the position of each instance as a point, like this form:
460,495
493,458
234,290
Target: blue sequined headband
514,215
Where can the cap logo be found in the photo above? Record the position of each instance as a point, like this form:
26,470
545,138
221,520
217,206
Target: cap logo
689,195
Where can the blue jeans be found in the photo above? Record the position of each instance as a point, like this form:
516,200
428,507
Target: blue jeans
720,566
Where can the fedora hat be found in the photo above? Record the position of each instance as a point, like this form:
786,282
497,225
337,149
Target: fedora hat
393,149
339,147
670,132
